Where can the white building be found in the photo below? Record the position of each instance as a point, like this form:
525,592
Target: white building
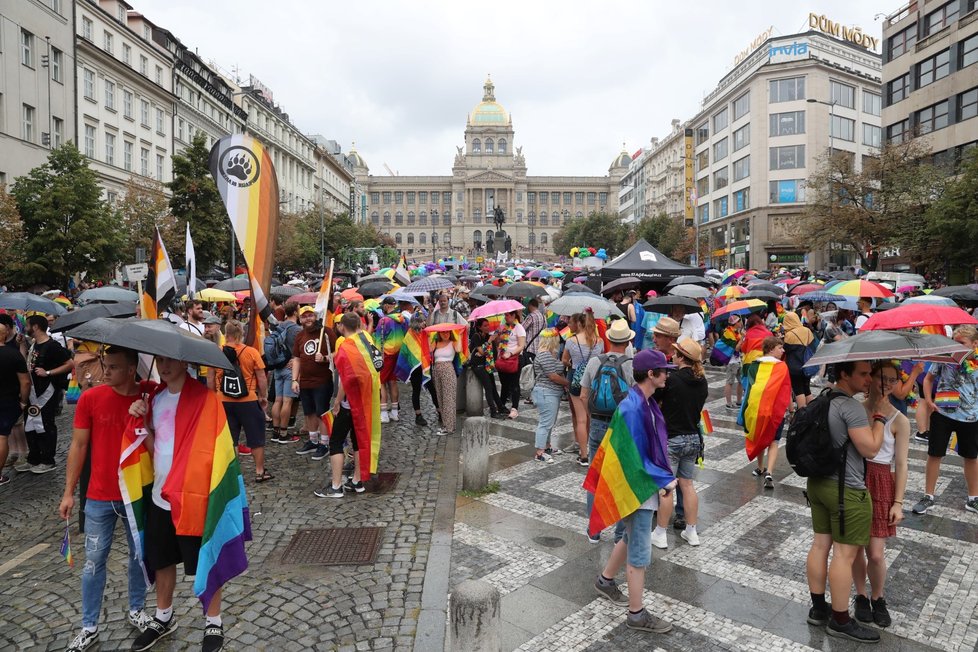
663,163
37,86
125,107
631,190
334,185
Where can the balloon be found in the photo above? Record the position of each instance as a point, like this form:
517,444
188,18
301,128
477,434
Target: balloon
602,254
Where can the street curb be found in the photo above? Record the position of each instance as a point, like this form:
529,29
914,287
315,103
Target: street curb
430,633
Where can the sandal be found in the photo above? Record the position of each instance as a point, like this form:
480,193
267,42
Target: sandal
264,476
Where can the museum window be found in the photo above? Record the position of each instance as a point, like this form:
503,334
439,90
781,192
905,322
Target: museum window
579,214
476,146
387,197
387,218
544,219
446,238
543,238
398,239
423,219
578,197
423,238
434,238
375,218
434,218
567,198
374,197
519,217
531,198
501,146
459,218
410,239
489,146
398,218
435,197
422,197
741,106
410,198
476,216
603,199
410,218
532,239
592,198
555,198
544,197
531,218
398,198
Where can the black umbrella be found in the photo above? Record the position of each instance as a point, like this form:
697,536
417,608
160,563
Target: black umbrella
106,294
234,285
694,280
623,283
666,305
90,312
155,337
958,293
766,287
763,295
524,291
30,302
488,293
285,291
571,288
375,289
374,277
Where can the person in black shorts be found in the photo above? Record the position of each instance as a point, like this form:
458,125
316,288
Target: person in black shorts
15,389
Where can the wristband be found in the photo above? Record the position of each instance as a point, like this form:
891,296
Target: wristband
897,502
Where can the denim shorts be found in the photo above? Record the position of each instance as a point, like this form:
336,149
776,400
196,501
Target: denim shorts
683,451
638,537
283,382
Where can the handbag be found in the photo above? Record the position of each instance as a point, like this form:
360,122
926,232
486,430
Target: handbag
508,365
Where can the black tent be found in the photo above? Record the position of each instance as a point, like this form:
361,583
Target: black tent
644,261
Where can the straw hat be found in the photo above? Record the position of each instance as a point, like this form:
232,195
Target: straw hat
667,326
689,349
619,332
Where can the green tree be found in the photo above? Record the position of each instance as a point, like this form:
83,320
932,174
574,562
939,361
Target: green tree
11,236
598,230
666,234
299,245
68,227
951,222
142,209
195,199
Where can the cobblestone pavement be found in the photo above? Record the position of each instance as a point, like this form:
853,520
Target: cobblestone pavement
744,587
271,606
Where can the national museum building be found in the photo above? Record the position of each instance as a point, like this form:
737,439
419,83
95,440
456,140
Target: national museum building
437,216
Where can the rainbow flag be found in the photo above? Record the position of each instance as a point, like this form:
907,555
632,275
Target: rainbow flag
766,400
324,300
328,418
73,393
706,423
66,547
565,333
361,382
953,442
415,352
631,464
948,400
136,486
206,491
725,347
390,333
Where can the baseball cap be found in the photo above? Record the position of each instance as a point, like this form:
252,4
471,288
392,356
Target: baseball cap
304,309
390,301
650,359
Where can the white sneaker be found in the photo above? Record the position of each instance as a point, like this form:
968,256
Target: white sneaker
384,418
139,619
43,468
83,641
23,466
394,416
690,536
659,540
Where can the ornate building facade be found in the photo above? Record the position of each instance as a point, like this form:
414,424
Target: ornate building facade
437,216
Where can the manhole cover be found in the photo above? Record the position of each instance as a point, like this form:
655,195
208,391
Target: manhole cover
550,542
381,483
334,546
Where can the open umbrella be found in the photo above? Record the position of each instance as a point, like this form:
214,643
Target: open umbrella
494,308
446,326
351,294
233,285
376,288
691,280
914,315
428,284
740,307
106,294
731,275
304,298
570,304
666,305
623,283
690,291
898,345
959,293
523,290
766,287
763,295
284,291
571,288
729,292
859,288
373,277
155,337
403,295
929,300
805,288
488,293
539,274
30,303
90,312
215,295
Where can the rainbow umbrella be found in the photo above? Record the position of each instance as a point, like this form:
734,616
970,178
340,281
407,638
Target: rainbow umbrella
731,292
63,301
742,307
731,275
859,288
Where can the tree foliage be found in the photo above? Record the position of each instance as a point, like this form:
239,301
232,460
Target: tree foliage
299,245
68,227
142,209
11,236
596,230
666,234
950,234
196,200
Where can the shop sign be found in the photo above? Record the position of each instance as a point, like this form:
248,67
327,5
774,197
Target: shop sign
796,49
852,34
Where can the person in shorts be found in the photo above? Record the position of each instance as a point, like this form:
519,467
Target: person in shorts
15,390
312,377
845,532
389,337
282,380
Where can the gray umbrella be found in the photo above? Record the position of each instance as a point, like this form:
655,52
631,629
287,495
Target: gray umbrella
155,337
894,345
92,311
763,295
523,290
234,285
571,288
107,294
766,287
373,277
30,302
375,289
691,280
428,284
488,293
690,291
284,291
624,283
666,304
570,304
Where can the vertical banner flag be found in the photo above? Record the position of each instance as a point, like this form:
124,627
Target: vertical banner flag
245,177
401,274
191,266
161,284
324,305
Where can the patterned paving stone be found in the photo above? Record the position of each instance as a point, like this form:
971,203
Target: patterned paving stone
508,565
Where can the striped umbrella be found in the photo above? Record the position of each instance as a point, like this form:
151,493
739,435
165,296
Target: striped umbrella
430,284
731,292
743,307
732,275
859,288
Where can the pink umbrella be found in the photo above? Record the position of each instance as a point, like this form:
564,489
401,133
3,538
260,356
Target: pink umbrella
494,308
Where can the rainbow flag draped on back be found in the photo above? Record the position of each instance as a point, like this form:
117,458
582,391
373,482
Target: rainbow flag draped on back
767,398
415,352
361,382
752,347
631,464
390,333
725,347
206,491
136,486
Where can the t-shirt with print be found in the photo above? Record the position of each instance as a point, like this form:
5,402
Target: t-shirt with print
311,373
251,364
104,412
846,413
955,378
48,355
164,432
516,333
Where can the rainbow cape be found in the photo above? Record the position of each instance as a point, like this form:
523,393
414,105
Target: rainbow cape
753,345
136,486
361,382
206,491
725,348
390,333
767,398
631,464
462,357
415,352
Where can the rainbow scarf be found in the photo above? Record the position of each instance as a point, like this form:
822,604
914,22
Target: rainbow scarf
136,486
767,398
631,464
726,347
205,489
415,352
361,383
390,333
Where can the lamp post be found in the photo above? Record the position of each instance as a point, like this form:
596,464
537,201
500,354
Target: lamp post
831,104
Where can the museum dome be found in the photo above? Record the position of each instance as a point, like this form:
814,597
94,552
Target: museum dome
355,158
489,112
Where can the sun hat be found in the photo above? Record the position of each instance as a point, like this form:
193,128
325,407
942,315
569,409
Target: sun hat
667,326
619,332
689,349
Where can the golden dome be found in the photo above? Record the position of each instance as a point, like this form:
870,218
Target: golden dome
489,112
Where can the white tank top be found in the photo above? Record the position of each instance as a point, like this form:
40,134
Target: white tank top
445,353
885,456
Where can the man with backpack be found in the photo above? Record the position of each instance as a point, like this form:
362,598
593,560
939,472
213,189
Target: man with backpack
278,356
605,383
829,442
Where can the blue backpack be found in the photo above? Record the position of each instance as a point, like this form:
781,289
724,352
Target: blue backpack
609,387
276,348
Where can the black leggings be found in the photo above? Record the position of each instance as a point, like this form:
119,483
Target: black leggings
510,388
416,384
488,382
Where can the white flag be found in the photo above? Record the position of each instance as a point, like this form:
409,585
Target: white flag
191,266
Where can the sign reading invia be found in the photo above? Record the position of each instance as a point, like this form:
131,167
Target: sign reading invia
794,49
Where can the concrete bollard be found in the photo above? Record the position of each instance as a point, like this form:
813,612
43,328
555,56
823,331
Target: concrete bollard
475,453
462,390
475,621
473,395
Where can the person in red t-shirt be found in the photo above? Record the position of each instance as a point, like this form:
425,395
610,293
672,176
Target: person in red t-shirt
100,418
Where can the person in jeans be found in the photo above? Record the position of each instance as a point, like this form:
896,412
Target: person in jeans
619,336
847,422
682,403
482,344
100,418
548,389
581,347
49,364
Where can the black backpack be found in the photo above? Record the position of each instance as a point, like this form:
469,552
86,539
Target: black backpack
233,383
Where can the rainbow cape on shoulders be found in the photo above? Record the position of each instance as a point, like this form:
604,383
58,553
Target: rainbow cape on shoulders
361,382
390,333
767,398
415,352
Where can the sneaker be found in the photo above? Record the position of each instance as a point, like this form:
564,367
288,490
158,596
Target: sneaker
155,630
923,505
385,417
307,448
286,438
679,523
573,448
758,472
395,416
593,539
138,619
731,407
276,437
853,631
321,451
243,450
768,481
4,479
213,639
971,505
543,457
23,467
43,468
659,539
329,491
611,591
497,415
83,641
583,461
819,616
353,487
553,451
646,622
921,436
862,609
11,461
691,537
881,616
419,420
